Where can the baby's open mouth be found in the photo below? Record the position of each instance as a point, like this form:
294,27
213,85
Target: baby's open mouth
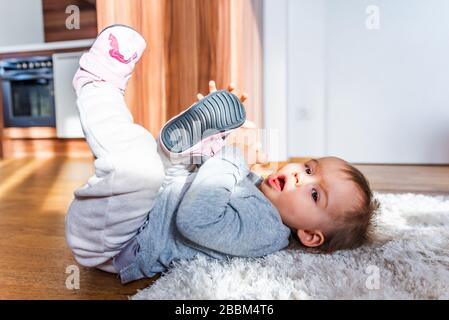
277,182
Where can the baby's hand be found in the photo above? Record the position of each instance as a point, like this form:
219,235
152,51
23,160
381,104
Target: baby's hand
231,88
245,137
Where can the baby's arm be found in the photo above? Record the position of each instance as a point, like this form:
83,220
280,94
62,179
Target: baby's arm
207,217
211,189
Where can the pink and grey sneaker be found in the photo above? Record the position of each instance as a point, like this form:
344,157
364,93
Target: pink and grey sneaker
200,131
111,58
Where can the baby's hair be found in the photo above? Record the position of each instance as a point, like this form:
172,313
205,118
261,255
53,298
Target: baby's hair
355,227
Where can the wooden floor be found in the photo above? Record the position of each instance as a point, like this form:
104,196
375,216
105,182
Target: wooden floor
35,194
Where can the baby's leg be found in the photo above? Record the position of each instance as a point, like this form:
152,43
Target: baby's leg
110,208
114,203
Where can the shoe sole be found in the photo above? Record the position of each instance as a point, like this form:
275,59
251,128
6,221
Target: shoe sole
215,114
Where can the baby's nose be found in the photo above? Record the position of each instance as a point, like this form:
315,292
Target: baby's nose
296,176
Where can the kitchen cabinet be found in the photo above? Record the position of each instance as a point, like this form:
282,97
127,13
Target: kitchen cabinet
21,22
56,13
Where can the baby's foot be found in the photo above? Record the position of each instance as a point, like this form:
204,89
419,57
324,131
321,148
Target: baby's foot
201,129
111,58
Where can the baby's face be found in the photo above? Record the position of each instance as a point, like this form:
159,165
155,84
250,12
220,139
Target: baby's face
311,195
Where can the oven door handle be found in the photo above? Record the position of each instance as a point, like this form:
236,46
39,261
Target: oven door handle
27,76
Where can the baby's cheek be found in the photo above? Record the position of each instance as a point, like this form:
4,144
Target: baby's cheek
295,198
294,204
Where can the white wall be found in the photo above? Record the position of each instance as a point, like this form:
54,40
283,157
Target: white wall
306,77
21,22
388,90
275,79
369,96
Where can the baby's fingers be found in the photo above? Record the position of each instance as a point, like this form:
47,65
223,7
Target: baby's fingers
243,97
199,96
212,86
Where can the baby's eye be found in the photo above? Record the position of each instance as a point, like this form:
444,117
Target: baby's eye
314,195
308,170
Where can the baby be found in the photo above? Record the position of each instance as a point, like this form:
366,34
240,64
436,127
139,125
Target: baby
149,204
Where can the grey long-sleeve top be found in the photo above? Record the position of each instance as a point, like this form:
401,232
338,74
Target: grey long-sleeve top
217,211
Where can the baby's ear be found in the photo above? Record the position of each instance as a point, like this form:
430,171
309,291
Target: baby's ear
310,238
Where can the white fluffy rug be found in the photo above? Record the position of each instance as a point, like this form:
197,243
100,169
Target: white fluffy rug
409,261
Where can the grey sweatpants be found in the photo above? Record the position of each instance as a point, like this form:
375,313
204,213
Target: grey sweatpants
129,171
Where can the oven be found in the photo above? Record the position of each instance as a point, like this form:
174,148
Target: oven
28,92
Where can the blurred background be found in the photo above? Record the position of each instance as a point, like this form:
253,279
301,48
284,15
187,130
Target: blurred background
363,80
